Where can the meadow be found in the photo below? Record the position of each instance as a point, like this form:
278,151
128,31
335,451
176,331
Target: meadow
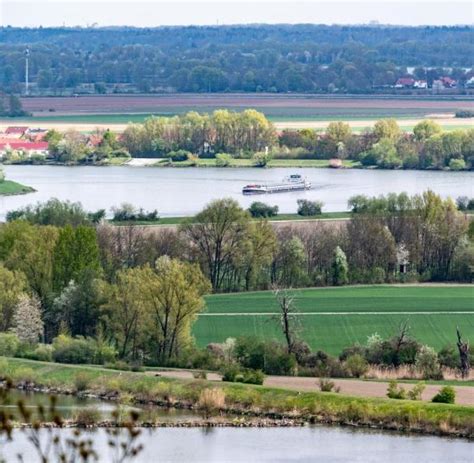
335,318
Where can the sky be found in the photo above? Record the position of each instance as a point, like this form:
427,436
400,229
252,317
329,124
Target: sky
140,13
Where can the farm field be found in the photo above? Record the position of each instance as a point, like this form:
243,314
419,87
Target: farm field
334,318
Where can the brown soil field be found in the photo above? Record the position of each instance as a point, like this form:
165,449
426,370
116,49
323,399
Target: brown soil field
353,387
153,103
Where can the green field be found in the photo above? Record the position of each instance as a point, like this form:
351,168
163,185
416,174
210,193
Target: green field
334,318
8,188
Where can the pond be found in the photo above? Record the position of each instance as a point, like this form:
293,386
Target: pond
185,191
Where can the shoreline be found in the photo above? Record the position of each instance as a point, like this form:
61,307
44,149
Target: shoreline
247,401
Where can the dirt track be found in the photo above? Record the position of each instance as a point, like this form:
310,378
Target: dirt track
354,387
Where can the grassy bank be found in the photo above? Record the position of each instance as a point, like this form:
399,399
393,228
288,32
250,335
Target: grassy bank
293,163
278,218
9,188
251,400
335,318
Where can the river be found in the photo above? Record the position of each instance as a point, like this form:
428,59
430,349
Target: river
185,191
308,444
300,444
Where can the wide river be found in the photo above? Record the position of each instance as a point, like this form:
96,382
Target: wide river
184,191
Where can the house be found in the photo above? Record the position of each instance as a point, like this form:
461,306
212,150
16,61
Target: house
16,131
31,148
405,82
448,82
470,82
421,84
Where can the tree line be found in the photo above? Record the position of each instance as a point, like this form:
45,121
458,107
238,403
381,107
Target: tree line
224,135
261,58
140,290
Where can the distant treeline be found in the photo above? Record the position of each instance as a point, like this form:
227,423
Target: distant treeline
225,135
260,58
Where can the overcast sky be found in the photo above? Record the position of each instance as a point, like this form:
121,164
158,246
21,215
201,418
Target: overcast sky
178,12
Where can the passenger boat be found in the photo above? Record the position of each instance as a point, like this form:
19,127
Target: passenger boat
294,182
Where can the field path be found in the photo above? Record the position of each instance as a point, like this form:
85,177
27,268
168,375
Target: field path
351,387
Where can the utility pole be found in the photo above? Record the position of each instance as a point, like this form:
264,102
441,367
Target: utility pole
27,55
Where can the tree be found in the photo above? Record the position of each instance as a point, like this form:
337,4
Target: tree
258,209
463,348
15,107
288,316
387,128
426,129
216,234
12,287
290,263
76,251
309,208
79,306
28,325
172,297
339,267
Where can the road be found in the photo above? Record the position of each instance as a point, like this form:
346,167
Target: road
351,387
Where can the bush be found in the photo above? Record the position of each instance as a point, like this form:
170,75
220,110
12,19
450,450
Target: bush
236,374
223,160
395,392
9,344
128,213
43,352
417,390
74,350
446,395
457,164
200,374
426,362
464,113
448,357
357,365
211,401
309,208
326,385
261,159
86,416
179,155
82,381
258,209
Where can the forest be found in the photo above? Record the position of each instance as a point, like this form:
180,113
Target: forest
254,58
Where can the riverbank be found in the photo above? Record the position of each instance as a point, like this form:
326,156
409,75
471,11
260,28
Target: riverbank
243,400
9,188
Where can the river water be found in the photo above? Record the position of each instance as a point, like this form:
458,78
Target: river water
300,444
185,191
317,444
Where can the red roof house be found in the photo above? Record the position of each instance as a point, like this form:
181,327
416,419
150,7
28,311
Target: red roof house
16,131
40,146
405,82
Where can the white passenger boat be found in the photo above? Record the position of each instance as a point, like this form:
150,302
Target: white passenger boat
294,182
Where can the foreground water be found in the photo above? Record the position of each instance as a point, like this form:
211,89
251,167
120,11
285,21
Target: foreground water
184,191
308,444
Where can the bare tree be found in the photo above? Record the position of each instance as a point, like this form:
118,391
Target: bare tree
400,339
463,347
288,316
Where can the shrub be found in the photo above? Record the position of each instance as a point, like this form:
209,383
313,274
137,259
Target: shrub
464,113
211,401
309,208
82,381
235,374
426,362
128,213
448,357
43,352
200,374
73,350
261,159
446,395
395,392
457,164
179,155
9,344
86,416
326,385
417,390
357,365
258,209
223,160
